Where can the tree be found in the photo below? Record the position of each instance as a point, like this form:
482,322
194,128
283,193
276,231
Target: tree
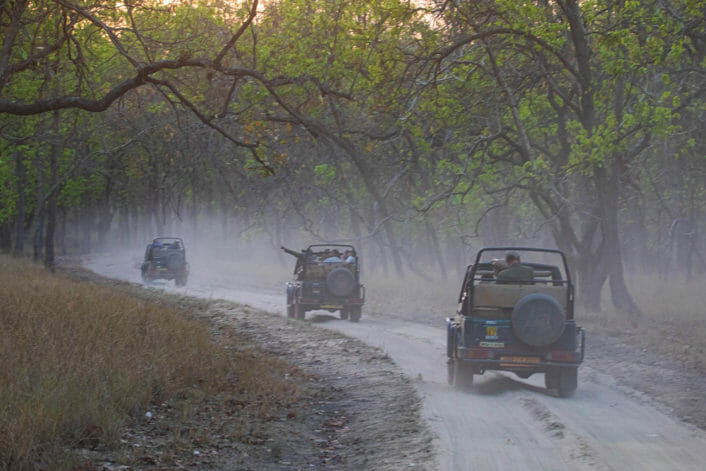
580,105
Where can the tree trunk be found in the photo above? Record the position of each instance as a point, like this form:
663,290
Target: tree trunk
21,175
61,232
589,284
49,253
86,228
6,237
436,250
38,239
608,194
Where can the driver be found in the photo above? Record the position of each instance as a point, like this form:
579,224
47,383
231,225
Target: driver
515,271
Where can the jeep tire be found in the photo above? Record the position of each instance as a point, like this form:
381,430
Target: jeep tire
451,342
355,313
181,278
567,381
463,376
551,379
299,312
450,371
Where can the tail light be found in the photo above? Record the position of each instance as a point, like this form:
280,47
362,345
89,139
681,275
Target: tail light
560,355
478,354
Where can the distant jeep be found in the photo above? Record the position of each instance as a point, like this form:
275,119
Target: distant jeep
326,276
518,318
165,259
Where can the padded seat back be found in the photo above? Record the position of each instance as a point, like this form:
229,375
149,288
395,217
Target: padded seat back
506,296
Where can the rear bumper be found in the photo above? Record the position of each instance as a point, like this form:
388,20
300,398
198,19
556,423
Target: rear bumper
329,303
163,273
513,366
484,358
324,301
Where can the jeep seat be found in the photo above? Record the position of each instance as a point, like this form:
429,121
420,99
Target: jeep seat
493,300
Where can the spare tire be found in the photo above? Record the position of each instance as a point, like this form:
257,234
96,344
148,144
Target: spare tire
538,319
340,281
175,260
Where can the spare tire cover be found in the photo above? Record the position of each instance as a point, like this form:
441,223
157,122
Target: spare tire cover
175,260
340,281
538,319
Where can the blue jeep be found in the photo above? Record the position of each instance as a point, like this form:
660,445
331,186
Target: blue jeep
524,324
165,259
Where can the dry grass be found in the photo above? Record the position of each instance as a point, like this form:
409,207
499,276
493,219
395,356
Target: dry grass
673,322
80,361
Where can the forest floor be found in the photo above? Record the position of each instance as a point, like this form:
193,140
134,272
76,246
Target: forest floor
355,409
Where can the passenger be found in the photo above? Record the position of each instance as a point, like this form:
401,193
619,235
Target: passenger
498,265
333,257
349,257
515,271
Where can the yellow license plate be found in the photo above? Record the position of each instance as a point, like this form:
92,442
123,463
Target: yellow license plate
331,306
491,331
526,360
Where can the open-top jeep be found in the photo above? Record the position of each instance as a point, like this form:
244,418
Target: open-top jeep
524,324
326,276
165,259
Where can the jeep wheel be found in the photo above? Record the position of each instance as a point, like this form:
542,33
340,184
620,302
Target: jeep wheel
180,279
290,311
567,381
463,377
356,312
538,319
451,341
450,371
344,313
551,379
299,312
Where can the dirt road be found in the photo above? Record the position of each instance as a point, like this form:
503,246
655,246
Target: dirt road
504,422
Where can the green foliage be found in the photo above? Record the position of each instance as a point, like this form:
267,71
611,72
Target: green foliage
374,111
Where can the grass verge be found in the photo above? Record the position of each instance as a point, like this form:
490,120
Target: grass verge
673,323
80,361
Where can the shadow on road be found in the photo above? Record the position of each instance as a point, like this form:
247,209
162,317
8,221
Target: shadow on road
321,318
498,384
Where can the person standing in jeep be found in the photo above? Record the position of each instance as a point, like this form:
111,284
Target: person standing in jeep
515,271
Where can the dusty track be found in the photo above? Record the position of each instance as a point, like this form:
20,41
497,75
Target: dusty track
504,422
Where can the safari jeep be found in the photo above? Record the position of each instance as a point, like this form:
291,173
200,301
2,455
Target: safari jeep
525,326
165,259
320,283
